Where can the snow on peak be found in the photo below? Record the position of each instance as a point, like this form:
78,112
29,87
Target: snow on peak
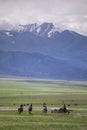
8,34
38,29
32,27
18,28
52,32
42,30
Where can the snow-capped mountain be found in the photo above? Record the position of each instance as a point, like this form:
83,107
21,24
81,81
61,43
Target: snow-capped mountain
42,30
42,50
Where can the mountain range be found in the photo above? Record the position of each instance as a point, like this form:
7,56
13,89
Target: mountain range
43,51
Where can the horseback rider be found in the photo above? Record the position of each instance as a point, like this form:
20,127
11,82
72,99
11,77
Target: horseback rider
64,108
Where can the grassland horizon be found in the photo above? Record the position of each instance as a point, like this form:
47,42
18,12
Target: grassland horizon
55,93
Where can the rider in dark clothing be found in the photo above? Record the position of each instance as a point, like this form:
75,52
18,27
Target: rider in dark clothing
64,107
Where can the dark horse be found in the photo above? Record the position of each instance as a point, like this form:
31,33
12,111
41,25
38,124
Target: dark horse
20,109
62,110
30,109
44,108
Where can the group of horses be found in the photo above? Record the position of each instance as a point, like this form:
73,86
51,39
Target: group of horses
53,110
60,110
64,109
20,109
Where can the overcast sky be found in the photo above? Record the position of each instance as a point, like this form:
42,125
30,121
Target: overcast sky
71,14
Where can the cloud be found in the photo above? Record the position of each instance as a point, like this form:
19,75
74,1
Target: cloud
69,13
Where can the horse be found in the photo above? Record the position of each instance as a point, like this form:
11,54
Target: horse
30,109
20,110
45,109
54,110
62,110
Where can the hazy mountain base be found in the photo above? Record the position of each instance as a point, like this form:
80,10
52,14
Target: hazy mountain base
37,65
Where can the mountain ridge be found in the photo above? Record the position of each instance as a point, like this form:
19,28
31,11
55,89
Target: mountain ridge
63,54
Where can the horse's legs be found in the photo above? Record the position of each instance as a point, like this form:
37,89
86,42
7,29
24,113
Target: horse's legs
29,112
20,110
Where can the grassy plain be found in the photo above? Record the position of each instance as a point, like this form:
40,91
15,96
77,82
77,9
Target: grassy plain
14,92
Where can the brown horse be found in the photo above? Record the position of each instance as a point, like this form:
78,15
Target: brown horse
44,108
62,110
20,109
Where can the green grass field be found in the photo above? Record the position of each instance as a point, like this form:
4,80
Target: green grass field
14,92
